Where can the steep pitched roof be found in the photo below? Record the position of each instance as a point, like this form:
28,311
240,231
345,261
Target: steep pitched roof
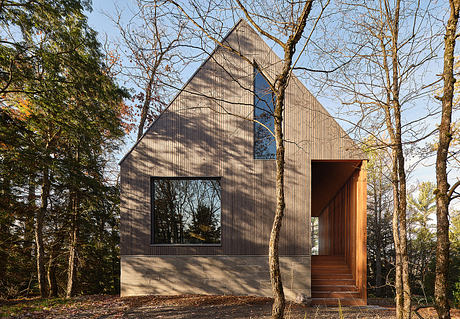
240,24
180,91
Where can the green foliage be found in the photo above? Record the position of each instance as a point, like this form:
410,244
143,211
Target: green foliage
28,306
454,269
61,113
380,247
422,236
456,294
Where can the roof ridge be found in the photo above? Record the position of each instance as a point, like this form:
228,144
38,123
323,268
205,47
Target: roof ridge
241,20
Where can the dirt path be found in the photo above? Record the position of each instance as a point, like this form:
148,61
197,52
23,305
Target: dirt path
187,306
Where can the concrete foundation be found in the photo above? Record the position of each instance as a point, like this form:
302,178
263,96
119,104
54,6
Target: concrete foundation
223,275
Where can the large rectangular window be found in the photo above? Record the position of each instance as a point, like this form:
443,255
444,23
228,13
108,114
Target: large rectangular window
186,210
264,106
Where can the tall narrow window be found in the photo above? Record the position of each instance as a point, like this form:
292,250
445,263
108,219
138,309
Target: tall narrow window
314,235
264,106
186,211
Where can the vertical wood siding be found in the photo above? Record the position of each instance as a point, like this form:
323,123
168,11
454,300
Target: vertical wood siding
195,137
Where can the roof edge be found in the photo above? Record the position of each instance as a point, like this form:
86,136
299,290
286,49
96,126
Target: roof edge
241,20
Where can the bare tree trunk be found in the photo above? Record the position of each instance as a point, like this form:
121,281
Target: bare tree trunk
407,301
445,137
71,268
399,174
51,274
275,274
403,291
378,237
29,222
280,86
398,263
75,206
145,107
39,247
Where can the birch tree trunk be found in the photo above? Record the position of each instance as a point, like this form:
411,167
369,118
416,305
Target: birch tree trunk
75,207
73,247
39,246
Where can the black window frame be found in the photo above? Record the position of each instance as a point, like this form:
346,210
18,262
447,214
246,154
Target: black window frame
152,209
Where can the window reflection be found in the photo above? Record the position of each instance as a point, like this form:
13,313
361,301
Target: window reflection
314,235
264,102
186,211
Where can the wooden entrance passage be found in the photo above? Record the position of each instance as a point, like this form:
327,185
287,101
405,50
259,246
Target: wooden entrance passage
338,199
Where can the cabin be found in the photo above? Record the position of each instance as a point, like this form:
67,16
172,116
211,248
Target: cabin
198,189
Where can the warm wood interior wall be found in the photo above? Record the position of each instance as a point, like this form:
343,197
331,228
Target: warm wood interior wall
342,226
361,230
334,222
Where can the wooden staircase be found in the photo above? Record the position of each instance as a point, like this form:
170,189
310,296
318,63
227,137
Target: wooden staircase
331,280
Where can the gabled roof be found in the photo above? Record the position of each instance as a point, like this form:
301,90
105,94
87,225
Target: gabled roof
240,21
239,24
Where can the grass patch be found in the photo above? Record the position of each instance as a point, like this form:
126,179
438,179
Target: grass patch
20,306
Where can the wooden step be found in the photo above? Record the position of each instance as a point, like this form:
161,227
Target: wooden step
335,294
331,282
331,266
328,262
334,265
331,276
327,257
335,301
335,288
331,271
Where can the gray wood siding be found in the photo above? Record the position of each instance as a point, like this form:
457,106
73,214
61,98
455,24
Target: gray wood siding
195,137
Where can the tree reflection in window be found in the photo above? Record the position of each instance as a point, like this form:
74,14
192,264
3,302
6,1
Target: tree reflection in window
264,102
314,235
186,211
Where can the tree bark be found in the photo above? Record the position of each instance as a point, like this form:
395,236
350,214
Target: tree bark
74,208
71,268
145,107
407,301
275,274
378,235
29,222
280,86
398,260
399,174
39,246
445,137
51,274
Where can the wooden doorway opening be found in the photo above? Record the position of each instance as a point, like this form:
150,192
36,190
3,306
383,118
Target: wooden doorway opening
338,202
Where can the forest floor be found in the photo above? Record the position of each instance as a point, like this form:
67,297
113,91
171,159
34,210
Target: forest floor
186,306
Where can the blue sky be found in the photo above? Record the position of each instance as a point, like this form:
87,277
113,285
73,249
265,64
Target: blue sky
102,24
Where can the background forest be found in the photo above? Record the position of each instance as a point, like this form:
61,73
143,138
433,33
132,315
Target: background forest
70,101
421,234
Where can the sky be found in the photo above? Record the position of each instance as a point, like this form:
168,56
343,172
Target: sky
100,22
